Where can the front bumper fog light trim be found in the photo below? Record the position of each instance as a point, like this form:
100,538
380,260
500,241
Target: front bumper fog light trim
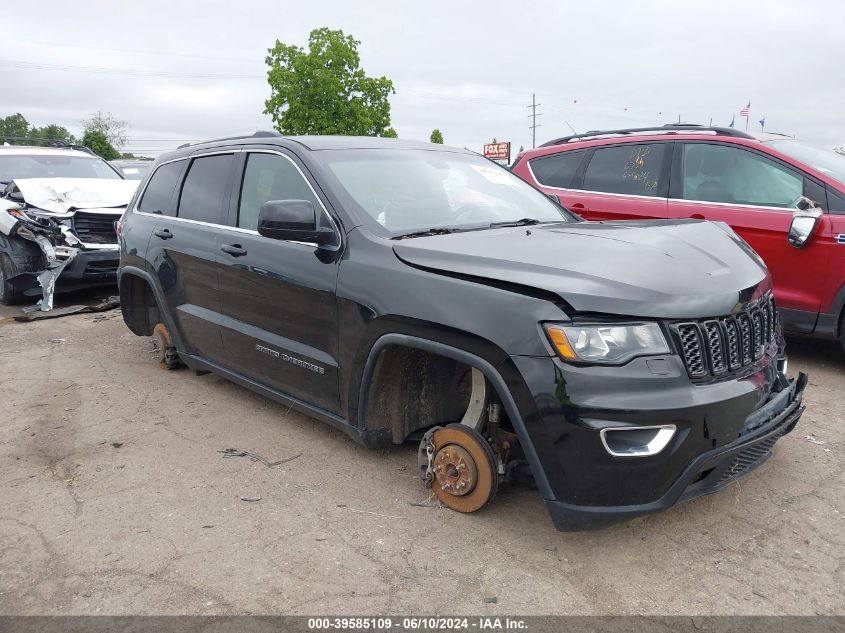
637,444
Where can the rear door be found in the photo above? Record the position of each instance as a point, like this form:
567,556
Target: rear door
755,195
184,250
278,297
628,181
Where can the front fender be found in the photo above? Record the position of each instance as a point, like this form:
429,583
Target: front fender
468,358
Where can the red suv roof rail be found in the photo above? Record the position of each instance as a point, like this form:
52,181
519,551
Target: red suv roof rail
672,128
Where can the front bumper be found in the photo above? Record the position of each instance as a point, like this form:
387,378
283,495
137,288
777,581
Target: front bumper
708,473
724,431
92,267
89,268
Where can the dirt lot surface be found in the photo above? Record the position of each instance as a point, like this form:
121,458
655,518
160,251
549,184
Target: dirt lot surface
116,499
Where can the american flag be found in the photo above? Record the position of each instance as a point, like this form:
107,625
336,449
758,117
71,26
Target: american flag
746,110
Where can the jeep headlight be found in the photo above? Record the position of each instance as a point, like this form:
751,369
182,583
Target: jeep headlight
606,343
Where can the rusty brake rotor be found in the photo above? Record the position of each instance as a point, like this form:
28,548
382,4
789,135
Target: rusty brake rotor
465,474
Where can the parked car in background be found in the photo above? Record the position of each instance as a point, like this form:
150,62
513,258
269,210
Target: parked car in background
132,169
58,206
405,291
782,196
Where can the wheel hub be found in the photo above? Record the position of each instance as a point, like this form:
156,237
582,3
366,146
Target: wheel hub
455,470
461,467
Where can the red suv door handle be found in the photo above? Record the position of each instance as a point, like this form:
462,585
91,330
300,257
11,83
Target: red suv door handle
696,216
578,207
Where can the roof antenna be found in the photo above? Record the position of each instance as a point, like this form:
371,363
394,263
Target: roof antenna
570,127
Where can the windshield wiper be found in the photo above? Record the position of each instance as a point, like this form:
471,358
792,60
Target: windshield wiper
522,222
427,232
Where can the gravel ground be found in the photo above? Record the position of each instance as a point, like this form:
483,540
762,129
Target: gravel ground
116,499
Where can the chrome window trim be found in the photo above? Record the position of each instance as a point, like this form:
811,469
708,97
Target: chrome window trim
237,229
608,193
744,205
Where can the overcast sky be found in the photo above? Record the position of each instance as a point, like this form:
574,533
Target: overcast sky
468,68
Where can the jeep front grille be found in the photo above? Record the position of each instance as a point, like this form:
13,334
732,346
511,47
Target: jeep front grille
714,347
95,228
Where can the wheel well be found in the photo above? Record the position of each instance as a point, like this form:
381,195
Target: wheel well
138,305
413,389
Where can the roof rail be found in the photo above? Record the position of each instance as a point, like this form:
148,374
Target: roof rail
258,134
671,128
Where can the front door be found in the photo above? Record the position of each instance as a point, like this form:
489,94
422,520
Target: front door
755,195
278,297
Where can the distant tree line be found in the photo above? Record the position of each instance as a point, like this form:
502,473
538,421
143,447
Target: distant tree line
101,133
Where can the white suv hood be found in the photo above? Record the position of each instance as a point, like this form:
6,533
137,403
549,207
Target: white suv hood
61,195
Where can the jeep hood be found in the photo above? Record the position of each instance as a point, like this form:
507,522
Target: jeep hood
62,195
663,268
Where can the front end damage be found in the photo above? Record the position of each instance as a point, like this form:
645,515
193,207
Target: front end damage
72,223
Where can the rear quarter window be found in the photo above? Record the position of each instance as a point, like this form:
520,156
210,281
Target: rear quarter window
557,170
158,196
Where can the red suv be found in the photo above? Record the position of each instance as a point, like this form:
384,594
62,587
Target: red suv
785,198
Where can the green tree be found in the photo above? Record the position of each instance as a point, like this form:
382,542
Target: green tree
113,130
436,136
13,129
324,90
390,133
96,141
53,132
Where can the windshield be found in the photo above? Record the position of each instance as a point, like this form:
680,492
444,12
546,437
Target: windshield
825,160
134,171
416,190
53,166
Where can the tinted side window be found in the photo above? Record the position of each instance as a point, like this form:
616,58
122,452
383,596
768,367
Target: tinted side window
626,169
836,202
557,170
718,173
204,194
158,196
269,177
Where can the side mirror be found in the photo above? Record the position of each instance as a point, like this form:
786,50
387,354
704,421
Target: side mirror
292,220
804,222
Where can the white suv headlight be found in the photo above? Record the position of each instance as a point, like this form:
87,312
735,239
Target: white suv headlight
610,343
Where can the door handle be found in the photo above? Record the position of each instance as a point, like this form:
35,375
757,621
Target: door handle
696,216
164,234
578,207
235,250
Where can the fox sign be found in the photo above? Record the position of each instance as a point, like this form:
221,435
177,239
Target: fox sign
500,152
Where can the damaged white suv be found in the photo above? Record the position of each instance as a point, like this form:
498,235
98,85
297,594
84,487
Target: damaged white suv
58,206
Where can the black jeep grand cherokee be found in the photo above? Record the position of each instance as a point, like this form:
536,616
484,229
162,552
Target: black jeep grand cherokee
406,291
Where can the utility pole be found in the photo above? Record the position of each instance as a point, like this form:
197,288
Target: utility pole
533,116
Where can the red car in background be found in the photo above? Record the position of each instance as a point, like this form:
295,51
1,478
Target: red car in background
783,197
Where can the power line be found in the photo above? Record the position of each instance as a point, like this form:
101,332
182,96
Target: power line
134,51
122,71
